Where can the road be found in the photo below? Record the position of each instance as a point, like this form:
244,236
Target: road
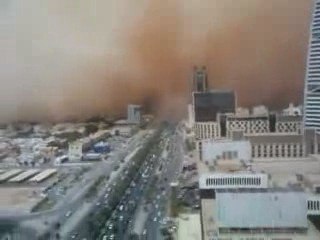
171,169
75,197
121,219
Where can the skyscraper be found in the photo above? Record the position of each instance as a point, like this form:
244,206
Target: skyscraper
200,79
312,79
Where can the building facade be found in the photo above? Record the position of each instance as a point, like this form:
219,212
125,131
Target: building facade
312,78
134,114
75,151
247,124
213,150
206,130
288,124
258,214
278,145
200,79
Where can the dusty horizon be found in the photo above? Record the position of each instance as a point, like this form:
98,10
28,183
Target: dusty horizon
63,59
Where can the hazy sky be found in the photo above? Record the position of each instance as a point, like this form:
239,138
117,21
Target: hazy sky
67,58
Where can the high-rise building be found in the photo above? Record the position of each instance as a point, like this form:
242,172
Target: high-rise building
200,79
207,105
312,79
134,114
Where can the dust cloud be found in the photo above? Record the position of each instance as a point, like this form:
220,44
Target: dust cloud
66,59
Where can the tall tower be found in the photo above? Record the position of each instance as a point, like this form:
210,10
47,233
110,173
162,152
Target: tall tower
200,79
311,116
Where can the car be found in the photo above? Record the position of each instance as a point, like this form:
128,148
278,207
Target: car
110,226
74,236
68,214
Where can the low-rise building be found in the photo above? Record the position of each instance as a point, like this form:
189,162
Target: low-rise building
257,214
75,150
206,130
134,114
288,124
252,124
282,145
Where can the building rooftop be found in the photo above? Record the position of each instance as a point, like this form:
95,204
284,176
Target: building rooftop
289,118
261,209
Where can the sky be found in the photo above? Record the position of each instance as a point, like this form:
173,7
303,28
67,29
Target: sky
66,59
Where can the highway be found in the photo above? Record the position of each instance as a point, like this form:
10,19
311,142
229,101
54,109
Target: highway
172,167
45,221
159,169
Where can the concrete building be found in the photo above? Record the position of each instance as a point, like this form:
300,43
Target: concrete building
288,124
75,150
282,145
207,105
257,214
252,124
190,121
313,204
238,180
200,79
134,114
212,150
206,130
312,78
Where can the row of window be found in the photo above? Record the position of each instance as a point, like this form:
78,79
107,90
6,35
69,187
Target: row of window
282,150
206,131
313,205
233,181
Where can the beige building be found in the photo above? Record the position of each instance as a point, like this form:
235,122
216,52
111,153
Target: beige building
206,130
252,124
282,145
288,124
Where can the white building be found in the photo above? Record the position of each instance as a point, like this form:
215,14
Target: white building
253,124
206,130
312,78
213,150
288,124
257,215
134,114
75,151
313,204
244,180
190,121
